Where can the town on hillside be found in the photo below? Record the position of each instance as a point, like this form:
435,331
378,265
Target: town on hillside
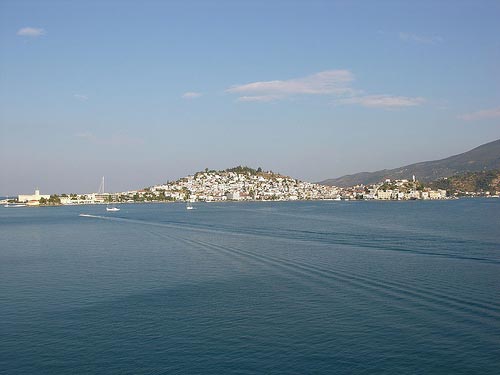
248,184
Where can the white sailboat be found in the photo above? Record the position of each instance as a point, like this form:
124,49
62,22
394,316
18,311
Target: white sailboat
110,207
189,205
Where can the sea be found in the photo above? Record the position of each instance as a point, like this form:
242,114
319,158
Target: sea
312,287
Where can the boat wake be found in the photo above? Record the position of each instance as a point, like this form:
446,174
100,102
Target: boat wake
94,216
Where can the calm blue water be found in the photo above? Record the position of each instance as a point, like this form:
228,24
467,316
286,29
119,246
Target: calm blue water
252,288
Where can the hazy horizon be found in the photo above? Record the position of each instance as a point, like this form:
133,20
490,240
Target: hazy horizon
148,92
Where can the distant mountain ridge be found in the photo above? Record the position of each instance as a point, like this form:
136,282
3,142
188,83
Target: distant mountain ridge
482,158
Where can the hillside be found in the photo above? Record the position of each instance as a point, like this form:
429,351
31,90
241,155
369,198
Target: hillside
238,183
469,182
484,157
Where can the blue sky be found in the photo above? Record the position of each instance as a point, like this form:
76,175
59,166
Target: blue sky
149,91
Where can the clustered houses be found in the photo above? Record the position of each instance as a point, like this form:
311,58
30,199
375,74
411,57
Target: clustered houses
227,185
393,190
212,186
248,184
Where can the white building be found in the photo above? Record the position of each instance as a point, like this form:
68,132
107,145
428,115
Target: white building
384,194
233,196
440,194
79,199
32,197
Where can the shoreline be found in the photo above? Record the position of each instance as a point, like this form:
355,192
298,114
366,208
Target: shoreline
13,205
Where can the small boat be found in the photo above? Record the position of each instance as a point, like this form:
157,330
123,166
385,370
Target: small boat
189,206
110,207
12,205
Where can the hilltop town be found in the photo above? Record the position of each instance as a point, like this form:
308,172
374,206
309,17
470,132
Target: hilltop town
242,183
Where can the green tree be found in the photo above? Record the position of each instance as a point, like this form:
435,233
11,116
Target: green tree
54,199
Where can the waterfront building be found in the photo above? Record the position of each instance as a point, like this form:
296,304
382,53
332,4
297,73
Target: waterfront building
24,198
385,195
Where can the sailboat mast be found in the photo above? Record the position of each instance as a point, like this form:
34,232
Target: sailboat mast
101,187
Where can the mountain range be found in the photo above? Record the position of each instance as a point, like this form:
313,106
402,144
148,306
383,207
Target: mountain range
482,158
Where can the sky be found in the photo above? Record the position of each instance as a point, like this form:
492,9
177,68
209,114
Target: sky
143,92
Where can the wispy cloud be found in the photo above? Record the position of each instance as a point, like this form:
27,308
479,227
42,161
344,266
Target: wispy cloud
483,114
81,97
31,32
383,101
115,140
322,83
332,83
258,98
191,95
424,39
